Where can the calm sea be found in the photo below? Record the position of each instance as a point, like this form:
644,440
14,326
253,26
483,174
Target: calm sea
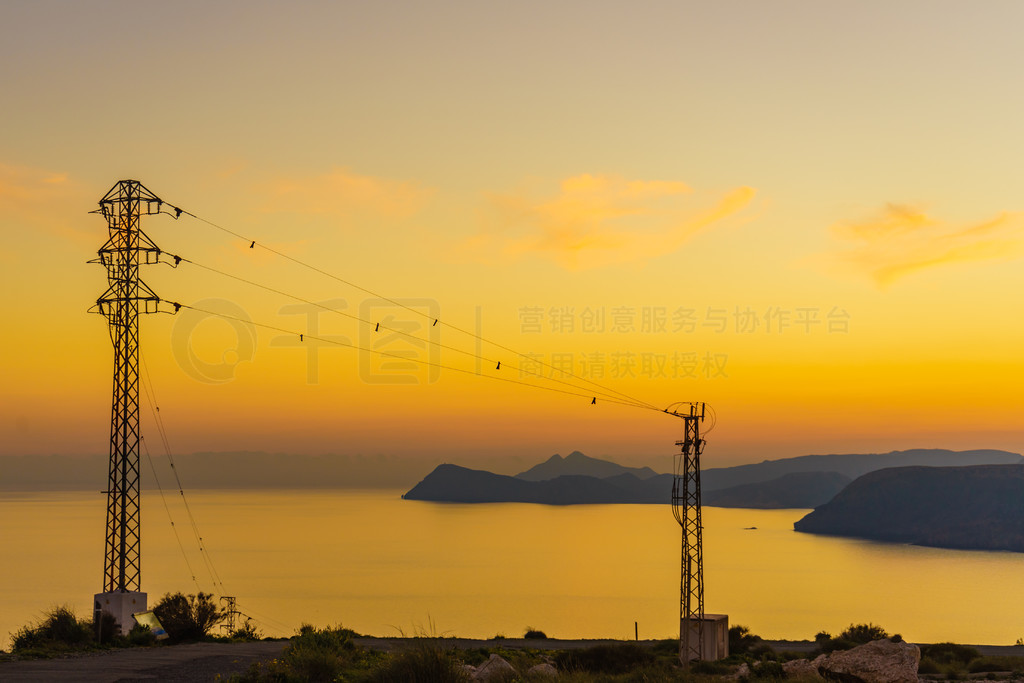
384,566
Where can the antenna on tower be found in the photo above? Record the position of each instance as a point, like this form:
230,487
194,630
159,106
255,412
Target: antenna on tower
126,248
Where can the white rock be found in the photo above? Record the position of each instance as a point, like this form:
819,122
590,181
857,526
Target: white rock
742,673
881,661
494,669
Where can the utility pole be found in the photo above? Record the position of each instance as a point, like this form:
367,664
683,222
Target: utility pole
126,248
686,509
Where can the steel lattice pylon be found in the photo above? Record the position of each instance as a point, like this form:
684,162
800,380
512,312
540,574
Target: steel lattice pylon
686,509
126,248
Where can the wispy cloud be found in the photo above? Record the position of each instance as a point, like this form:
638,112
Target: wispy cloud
900,240
23,189
44,200
598,220
341,192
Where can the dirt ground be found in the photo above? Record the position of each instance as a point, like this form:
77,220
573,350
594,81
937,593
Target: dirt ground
178,664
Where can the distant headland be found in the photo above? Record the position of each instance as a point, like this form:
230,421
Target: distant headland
975,508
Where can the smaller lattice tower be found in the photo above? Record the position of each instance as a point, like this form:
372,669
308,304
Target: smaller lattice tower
686,509
231,614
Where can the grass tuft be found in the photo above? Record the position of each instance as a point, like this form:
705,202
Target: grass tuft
426,662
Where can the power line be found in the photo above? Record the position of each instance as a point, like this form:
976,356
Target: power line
606,394
203,552
170,518
253,244
263,619
303,336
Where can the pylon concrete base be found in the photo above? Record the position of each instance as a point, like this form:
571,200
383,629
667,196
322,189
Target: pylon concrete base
122,605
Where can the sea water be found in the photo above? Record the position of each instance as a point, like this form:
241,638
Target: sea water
385,566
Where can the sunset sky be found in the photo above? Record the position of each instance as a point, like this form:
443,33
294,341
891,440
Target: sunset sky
809,215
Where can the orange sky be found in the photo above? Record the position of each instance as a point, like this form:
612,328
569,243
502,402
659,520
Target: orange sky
808,215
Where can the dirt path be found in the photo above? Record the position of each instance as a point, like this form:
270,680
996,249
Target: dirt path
195,662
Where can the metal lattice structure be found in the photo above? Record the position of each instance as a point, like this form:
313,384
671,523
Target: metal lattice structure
124,251
230,612
686,509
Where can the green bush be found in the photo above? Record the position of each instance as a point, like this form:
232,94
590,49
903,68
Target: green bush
767,670
608,659
863,633
996,663
719,668
949,653
140,635
741,640
851,637
310,663
313,655
247,631
59,630
189,617
666,647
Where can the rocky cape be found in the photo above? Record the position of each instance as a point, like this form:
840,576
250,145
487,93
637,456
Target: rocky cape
975,507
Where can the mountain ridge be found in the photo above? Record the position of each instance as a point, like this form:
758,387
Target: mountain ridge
793,490
576,463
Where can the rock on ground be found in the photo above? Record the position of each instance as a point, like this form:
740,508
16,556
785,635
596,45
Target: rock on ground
741,674
881,661
496,668
544,669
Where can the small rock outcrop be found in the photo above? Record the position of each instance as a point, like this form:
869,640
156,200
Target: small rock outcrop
541,670
881,661
496,668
